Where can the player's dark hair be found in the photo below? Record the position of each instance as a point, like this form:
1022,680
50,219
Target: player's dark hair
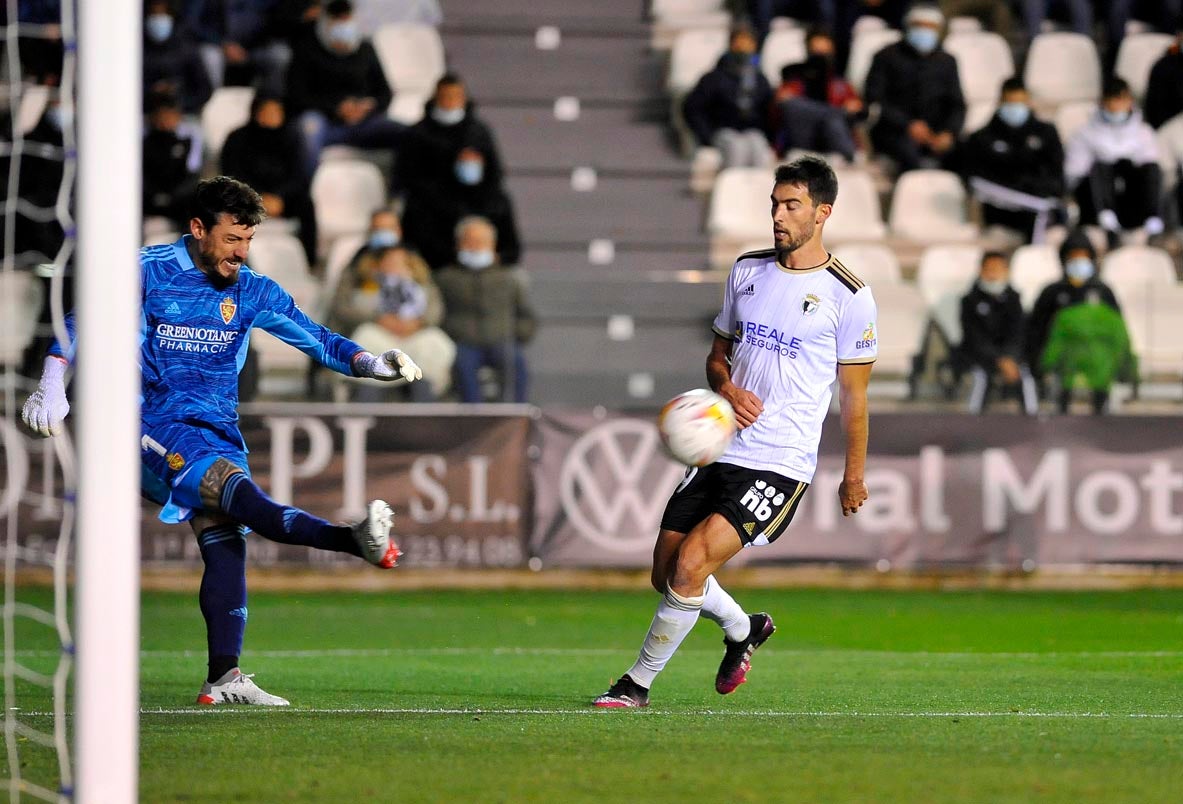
222,194
992,255
1077,240
1012,84
1113,87
339,8
814,175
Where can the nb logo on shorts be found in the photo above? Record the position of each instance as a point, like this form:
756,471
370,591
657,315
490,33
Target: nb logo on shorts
760,499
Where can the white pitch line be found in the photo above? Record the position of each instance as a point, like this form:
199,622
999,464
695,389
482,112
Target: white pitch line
247,710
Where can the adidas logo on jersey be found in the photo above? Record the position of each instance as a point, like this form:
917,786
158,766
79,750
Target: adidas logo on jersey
173,309
750,290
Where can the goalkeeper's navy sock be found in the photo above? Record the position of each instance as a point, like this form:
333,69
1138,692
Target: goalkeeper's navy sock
223,596
246,503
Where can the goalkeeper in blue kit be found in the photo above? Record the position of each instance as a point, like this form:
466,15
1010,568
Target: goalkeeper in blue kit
199,302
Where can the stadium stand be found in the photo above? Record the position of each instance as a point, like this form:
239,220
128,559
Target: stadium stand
412,58
227,109
1062,67
1032,268
928,206
944,275
345,192
1137,55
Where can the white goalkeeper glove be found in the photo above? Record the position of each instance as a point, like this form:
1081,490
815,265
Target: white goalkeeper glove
390,365
46,408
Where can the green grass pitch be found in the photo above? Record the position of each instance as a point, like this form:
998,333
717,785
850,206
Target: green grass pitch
484,696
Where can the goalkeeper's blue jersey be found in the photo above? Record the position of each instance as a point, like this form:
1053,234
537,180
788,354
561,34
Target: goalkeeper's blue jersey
194,338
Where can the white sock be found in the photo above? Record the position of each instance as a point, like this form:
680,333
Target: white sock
721,608
675,617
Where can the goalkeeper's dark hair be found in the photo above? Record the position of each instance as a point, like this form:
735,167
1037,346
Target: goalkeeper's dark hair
231,196
814,175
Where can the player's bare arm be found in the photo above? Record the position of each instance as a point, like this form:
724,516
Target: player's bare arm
747,406
852,398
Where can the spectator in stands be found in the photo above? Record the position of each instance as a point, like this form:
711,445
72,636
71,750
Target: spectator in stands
172,161
994,15
729,106
1080,284
917,89
1015,153
849,12
1080,15
1164,92
815,108
1088,341
401,308
450,168
38,237
385,232
266,154
992,345
761,12
487,313
171,59
241,41
337,88
41,55
1112,164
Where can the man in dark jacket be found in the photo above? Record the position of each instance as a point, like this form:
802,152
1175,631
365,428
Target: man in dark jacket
337,87
1079,285
729,107
1015,151
1164,92
992,340
171,59
172,160
265,153
449,168
917,91
241,41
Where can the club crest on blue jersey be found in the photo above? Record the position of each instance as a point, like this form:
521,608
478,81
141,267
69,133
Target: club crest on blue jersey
227,308
810,304
175,460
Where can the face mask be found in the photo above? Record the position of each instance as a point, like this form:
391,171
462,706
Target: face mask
475,260
923,39
994,287
159,27
1014,114
470,171
345,35
383,238
1115,118
447,117
1081,269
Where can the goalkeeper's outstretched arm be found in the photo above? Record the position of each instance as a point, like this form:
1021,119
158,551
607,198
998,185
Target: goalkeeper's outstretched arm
47,407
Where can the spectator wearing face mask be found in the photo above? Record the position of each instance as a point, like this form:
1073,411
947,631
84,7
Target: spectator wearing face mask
814,107
402,309
172,63
729,107
266,154
172,161
916,88
488,314
386,232
1018,162
992,324
1079,285
450,168
1112,165
337,88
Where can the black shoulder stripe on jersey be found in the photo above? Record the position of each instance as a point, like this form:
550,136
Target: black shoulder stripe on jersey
757,254
851,286
848,273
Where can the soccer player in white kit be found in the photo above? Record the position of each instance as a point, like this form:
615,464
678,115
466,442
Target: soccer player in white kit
793,318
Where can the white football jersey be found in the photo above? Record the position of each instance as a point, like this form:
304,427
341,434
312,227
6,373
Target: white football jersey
790,329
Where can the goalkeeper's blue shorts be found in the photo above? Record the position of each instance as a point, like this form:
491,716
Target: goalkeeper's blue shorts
174,457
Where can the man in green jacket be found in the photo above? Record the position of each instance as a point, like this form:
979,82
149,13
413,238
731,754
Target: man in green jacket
486,312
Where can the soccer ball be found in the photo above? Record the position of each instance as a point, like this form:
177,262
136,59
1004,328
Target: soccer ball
696,427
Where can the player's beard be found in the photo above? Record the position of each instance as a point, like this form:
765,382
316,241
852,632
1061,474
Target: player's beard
794,242
209,266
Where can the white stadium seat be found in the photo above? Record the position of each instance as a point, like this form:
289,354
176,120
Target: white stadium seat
1071,116
944,275
1138,265
903,319
977,115
672,17
863,48
928,206
1032,268
871,262
738,213
412,57
339,256
1063,67
1137,55
857,214
963,25
781,47
983,62
21,300
695,53
670,9
280,256
227,109
345,192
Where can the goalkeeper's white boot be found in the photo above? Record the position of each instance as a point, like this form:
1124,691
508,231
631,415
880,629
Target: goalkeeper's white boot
237,688
372,535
